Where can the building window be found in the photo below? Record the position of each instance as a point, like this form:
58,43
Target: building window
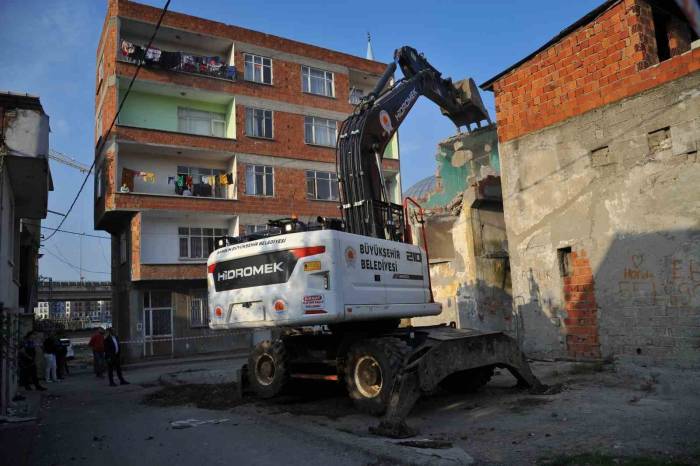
199,122
201,181
259,180
319,131
197,242
356,95
100,181
250,229
564,259
315,81
122,248
98,125
257,69
322,186
100,71
258,123
199,312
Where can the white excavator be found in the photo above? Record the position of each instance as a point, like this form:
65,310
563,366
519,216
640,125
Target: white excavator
334,293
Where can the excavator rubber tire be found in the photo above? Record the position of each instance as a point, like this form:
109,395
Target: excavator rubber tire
268,368
383,356
468,381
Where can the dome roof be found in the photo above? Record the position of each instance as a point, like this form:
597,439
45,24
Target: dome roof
421,189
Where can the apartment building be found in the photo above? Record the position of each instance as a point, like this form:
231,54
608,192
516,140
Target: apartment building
224,129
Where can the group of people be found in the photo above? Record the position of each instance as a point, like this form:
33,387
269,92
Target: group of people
106,350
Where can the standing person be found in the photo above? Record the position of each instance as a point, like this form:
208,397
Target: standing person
27,363
61,354
97,343
113,355
49,347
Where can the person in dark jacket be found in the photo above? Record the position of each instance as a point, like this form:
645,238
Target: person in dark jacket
113,355
27,363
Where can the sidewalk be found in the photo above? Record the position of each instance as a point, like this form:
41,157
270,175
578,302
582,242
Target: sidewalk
86,366
18,432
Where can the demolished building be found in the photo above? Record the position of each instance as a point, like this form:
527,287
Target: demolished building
465,232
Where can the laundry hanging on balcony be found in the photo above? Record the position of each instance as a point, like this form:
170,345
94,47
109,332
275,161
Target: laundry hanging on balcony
178,61
148,177
226,179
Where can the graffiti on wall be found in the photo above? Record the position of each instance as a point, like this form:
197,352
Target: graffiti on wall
675,283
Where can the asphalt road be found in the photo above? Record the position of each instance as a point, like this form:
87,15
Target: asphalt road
86,422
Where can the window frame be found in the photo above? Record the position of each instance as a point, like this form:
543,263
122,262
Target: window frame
213,118
265,112
332,177
203,311
262,72
306,81
202,238
251,188
310,120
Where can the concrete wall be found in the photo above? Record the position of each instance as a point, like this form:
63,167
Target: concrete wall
9,239
618,186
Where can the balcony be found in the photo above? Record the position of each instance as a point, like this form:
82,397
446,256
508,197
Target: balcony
167,171
176,50
178,109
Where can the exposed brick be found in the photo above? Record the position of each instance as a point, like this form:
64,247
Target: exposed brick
603,61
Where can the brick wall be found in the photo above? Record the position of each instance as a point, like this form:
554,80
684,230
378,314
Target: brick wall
608,59
581,321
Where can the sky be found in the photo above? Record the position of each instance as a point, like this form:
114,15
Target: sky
49,48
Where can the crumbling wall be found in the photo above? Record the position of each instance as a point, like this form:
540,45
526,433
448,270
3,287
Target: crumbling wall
466,235
602,212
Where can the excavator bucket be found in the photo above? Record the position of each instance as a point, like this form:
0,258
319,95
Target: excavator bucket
472,110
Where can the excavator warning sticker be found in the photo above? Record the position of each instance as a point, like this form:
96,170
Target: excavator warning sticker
314,301
312,265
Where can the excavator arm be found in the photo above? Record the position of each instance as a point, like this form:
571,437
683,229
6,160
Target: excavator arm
363,137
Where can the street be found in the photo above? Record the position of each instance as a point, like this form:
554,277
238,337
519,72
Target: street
86,422
616,411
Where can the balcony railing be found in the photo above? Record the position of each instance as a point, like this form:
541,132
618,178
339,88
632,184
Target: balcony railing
176,61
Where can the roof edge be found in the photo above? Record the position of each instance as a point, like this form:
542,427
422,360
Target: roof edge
587,18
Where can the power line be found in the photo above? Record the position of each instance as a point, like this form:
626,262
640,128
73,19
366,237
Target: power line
73,266
114,120
56,230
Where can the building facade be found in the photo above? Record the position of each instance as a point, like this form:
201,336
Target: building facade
598,137
224,129
25,182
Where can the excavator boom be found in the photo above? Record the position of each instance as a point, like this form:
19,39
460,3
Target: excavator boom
363,137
